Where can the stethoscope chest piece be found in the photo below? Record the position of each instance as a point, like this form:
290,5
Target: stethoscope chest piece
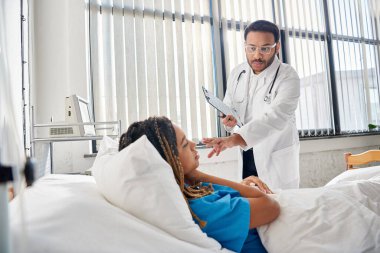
267,99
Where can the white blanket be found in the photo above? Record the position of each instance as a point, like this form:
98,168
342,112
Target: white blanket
66,213
343,217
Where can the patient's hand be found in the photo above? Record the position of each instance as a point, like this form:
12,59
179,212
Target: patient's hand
256,182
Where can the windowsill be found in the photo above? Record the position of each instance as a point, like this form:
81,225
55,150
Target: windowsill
339,142
307,138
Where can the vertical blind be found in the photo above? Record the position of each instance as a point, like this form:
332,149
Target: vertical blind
304,26
151,57
355,38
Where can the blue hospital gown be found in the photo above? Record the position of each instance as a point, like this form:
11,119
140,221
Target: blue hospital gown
227,215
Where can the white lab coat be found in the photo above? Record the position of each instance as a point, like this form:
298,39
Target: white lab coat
272,131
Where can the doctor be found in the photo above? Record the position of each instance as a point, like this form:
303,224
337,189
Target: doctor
265,93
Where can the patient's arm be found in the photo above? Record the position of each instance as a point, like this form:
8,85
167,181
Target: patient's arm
263,209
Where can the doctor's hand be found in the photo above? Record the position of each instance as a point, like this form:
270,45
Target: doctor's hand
221,143
229,121
256,182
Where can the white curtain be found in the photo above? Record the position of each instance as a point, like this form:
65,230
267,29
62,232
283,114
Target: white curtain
11,103
11,135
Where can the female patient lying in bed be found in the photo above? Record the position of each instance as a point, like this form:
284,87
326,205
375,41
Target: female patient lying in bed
226,211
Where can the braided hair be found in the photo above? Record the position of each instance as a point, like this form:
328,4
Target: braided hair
160,132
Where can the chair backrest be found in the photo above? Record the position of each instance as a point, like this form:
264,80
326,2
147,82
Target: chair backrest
362,158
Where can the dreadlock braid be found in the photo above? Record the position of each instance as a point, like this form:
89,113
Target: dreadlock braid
177,167
134,132
169,157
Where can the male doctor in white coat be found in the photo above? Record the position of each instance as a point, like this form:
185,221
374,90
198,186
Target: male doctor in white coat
264,92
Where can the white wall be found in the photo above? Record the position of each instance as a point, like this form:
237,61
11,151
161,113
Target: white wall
225,165
59,65
59,69
323,159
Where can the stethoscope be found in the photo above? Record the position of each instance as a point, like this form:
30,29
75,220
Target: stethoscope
237,82
268,97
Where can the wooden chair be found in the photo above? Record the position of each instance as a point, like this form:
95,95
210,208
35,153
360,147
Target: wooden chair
362,158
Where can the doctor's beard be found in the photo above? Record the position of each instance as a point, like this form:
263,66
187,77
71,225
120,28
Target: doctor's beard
264,63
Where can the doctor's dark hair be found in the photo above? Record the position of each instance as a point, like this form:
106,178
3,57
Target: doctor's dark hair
160,132
263,26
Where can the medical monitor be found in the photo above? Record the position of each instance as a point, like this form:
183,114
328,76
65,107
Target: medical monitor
76,111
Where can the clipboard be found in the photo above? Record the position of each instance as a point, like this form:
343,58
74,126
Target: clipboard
220,106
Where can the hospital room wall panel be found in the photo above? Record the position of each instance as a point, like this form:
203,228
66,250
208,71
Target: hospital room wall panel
225,165
323,159
58,69
58,57
318,168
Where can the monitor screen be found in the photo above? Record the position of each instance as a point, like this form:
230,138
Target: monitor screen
77,111
84,117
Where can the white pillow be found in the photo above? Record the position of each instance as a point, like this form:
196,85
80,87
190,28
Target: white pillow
139,181
108,146
356,174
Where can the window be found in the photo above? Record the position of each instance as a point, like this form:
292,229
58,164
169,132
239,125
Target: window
305,47
355,51
152,58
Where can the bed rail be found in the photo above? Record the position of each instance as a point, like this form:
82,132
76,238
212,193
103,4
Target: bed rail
362,158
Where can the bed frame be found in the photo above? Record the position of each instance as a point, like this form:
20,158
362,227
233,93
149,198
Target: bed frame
362,158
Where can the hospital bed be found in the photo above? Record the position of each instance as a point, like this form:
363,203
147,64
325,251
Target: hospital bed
70,213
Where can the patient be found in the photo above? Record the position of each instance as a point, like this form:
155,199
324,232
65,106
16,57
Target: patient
227,211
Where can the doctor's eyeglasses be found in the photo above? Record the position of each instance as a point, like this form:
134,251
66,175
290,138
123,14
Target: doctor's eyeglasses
262,50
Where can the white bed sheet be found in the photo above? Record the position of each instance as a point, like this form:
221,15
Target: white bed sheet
341,217
66,213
